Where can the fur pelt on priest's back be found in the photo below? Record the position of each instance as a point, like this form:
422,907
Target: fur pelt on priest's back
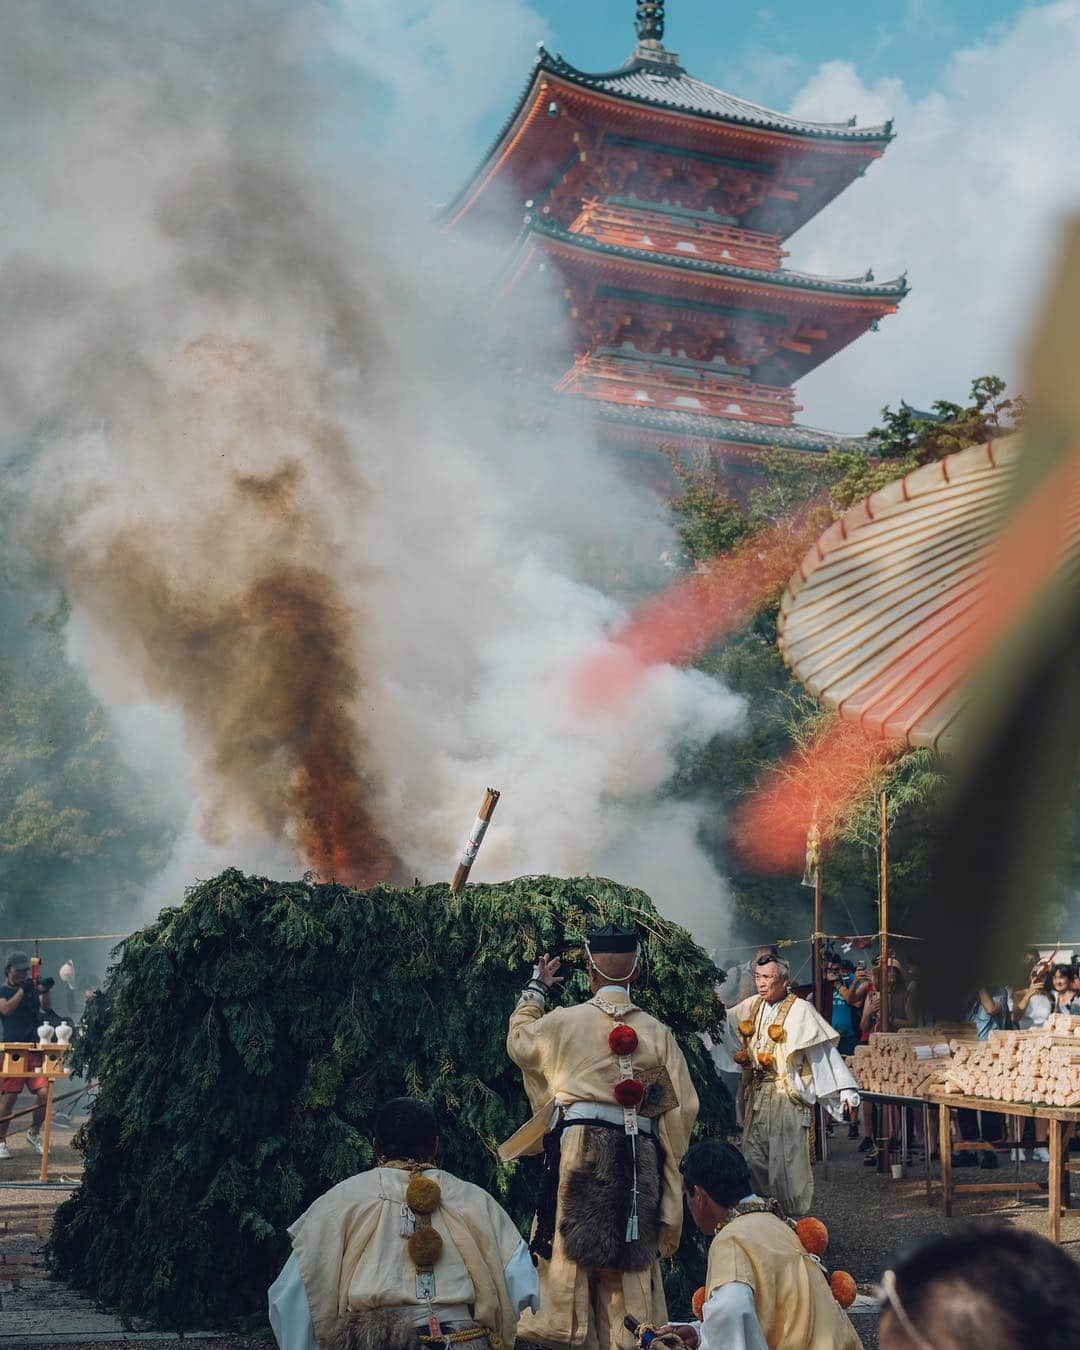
595,1201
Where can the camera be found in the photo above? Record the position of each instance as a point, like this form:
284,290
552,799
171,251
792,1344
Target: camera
45,983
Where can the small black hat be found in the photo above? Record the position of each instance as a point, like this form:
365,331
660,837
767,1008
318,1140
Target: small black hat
611,938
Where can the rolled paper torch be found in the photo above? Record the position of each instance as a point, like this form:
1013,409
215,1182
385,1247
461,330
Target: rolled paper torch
476,837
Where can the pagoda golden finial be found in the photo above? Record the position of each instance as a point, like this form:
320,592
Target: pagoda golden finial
650,20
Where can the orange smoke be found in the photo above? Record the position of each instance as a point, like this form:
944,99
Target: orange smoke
817,781
672,627
267,680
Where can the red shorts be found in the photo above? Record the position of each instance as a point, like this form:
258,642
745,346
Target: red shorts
16,1085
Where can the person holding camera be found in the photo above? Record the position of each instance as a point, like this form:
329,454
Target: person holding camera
22,1004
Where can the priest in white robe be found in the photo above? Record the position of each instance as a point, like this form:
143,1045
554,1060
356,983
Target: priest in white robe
403,1255
789,1060
763,1290
613,1109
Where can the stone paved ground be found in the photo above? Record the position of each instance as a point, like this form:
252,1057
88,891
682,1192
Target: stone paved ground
869,1218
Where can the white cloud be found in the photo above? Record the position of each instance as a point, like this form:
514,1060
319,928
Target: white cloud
969,199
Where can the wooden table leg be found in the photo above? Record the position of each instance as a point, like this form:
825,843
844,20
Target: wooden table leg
1054,1188
945,1148
46,1132
929,1149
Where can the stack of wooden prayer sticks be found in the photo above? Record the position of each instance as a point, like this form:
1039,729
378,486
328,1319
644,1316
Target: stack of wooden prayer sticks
904,1063
1041,1066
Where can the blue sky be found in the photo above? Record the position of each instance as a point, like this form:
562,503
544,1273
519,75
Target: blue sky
766,52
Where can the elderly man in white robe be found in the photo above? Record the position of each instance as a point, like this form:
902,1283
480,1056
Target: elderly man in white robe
402,1256
787,1054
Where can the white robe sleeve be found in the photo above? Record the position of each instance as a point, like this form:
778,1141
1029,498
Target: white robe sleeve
831,1082
729,1320
522,1281
725,1047
290,1316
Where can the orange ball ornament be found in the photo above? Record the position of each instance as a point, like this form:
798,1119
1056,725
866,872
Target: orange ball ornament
843,1288
746,1027
423,1194
813,1235
697,1303
776,1033
766,1060
741,1057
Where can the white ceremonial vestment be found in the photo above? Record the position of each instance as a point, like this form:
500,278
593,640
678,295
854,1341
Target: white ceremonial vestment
790,1062
568,1065
766,1292
349,1255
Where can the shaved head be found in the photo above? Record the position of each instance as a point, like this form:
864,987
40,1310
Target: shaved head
611,968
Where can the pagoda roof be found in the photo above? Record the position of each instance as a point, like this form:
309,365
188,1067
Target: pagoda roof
665,84
533,144
696,426
865,285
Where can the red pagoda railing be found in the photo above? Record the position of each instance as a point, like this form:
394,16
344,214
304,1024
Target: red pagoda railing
683,236
611,379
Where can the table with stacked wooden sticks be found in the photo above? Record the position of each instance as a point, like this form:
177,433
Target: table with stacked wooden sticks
1058,1118
15,1057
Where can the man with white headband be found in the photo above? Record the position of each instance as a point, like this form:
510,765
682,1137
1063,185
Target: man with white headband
613,1110
787,1054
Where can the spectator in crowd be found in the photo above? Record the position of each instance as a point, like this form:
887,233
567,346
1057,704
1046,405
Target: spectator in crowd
900,1015
21,1009
980,1287
1062,997
1032,1004
989,1012
922,1018
844,997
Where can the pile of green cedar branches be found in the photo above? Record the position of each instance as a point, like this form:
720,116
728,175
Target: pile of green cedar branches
244,1041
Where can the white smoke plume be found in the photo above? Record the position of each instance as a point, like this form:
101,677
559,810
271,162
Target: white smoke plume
326,569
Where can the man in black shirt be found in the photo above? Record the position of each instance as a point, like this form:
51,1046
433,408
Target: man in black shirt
20,1012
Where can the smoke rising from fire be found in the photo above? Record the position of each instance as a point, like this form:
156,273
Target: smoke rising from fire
259,431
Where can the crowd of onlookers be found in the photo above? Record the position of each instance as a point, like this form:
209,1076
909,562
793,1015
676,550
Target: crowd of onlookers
853,1000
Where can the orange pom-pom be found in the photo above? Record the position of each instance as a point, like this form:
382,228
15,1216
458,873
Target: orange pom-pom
422,1195
425,1247
776,1032
766,1060
813,1235
746,1027
741,1056
843,1288
697,1303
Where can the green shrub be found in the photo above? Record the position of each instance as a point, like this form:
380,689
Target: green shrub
243,1042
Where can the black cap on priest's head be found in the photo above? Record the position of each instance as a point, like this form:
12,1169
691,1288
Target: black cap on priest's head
611,938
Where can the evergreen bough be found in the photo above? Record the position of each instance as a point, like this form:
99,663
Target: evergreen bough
243,1042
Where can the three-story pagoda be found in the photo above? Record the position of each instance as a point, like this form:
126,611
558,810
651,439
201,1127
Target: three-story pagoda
662,204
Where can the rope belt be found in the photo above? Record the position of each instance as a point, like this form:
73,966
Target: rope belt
469,1334
759,1075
